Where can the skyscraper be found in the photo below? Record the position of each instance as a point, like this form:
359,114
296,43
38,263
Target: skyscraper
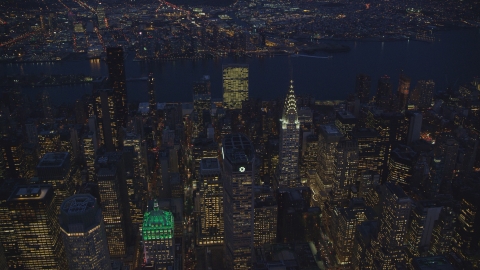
327,144
110,178
422,94
238,177
116,76
265,216
107,117
235,86
362,87
83,233
101,16
37,233
383,97
152,102
288,174
390,246
158,237
55,169
403,90
210,196
202,103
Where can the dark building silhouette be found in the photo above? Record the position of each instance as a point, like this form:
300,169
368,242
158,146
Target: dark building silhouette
362,87
116,76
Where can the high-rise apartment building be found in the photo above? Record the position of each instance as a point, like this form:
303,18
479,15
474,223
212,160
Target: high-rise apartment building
37,232
48,141
288,172
235,86
363,84
238,179
158,237
210,202
83,233
116,76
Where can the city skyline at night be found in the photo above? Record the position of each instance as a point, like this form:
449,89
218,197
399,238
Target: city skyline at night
253,134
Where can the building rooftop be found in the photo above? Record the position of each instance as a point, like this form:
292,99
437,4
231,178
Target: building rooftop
31,193
78,203
157,224
237,148
53,159
209,164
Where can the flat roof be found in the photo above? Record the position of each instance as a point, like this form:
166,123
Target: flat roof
237,148
56,159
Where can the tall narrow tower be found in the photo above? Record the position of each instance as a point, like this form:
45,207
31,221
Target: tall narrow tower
238,175
116,76
290,142
101,16
152,103
403,90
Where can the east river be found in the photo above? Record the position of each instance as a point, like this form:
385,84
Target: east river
453,58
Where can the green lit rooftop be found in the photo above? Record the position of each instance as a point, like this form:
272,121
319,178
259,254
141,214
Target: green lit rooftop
157,224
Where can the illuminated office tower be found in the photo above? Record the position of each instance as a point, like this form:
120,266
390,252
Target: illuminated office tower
37,233
210,196
105,110
288,172
101,16
344,226
400,165
136,175
48,141
345,168
202,103
402,92
235,86
422,95
13,156
370,149
89,154
158,237
383,97
310,154
152,102
238,177
55,169
7,228
265,217
203,148
116,76
327,144
466,235
109,178
422,220
443,230
363,84
390,246
345,122
83,233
